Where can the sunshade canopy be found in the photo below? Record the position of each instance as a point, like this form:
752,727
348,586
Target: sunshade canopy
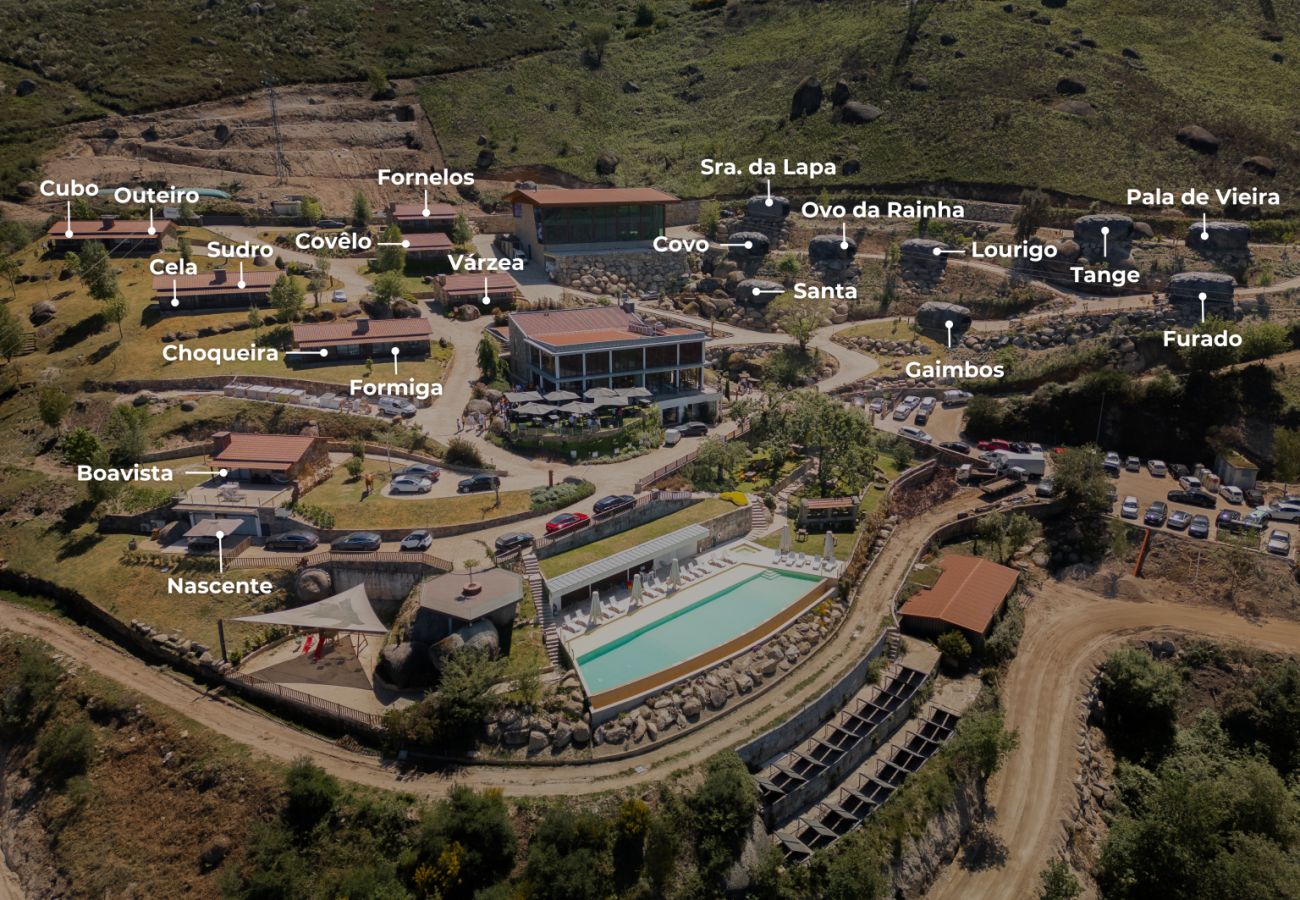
348,611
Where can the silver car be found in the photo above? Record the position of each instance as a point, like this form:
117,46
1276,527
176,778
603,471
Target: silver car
409,484
1279,542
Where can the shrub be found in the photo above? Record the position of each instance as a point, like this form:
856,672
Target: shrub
955,648
568,859
465,843
723,810
64,750
312,794
562,494
461,452
735,497
1141,698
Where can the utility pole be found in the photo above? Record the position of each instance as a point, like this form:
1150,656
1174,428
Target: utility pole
281,164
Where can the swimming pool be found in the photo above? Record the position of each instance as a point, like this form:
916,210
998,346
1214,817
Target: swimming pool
693,622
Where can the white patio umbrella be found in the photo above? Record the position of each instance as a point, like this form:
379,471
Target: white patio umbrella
828,548
636,589
785,541
635,393
600,392
534,409
577,408
593,615
559,396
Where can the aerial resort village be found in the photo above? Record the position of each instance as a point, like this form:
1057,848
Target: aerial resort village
791,536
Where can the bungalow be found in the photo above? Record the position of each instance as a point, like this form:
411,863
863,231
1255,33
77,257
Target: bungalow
410,217
427,246
500,289
214,289
1234,469
819,514
967,597
569,220
349,339
282,458
123,237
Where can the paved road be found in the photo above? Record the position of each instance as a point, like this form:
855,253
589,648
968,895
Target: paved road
1067,632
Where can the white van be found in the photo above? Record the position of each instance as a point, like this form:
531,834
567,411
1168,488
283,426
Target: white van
672,437
395,406
1232,494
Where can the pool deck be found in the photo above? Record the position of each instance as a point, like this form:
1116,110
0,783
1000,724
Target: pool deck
749,559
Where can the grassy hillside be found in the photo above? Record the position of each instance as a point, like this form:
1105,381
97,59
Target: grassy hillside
719,84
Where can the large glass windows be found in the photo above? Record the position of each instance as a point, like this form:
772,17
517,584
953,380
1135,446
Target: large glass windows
601,224
598,362
628,360
662,356
571,365
690,379
692,353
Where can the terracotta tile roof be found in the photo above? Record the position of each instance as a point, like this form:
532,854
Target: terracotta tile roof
830,502
588,325
360,331
416,211
116,228
277,452
215,281
428,241
467,285
590,196
967,595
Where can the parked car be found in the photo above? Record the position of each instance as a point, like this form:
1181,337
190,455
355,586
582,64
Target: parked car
1157,512
915,433
672,437
1231,494
331,223
1279,542
1044,488
902,411
1284,511
357,542
956,446
1228,520
1133,464
922,417
1111,458
410,484
1019,447
395,406
1193,498
1254,497
1157,468
477,483
928,404
692,429
422,470
1129,508
567,522
292,540
993,444
1111,464
612,503
417,540
877,405
1179,518
1256,519
340,297
515,540
1199,527
1178,470
1035,447
1189,483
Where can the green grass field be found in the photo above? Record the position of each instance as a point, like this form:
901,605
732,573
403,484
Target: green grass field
341,495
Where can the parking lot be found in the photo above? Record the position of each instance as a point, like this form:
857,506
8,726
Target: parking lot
1148,488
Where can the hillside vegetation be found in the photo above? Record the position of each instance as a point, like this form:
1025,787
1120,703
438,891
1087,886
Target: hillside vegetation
719,84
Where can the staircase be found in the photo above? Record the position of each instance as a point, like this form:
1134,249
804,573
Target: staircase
550,638
893,643
759,517
28,344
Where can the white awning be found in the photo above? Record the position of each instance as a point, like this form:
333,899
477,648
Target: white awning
348,611
682,542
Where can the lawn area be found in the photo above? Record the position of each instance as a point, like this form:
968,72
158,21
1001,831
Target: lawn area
581,556
91,563
342,496
814,543
891,330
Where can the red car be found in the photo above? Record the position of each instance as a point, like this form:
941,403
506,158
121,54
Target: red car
567,522
994,444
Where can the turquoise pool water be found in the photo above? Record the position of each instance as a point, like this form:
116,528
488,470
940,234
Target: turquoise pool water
694,629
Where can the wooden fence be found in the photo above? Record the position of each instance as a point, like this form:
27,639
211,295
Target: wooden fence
318,557
344,716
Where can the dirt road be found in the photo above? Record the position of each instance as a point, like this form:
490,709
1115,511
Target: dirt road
284,742
1067,631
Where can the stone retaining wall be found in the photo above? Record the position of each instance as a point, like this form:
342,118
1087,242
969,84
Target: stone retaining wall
614,273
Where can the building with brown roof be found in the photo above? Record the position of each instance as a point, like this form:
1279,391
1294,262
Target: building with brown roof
613,347
410,217
585,218
500,289
818,514
350,339
968,597
120,237
267,457
213,289
427,246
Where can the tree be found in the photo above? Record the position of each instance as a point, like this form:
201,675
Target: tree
1080,485
799,317
452,716
722,810
318,278
955,648
9,272
467,841
386,289
96,271
594,41
1262,340
1207,359
461,232
310,795
127,432
391,255
470,565
80,447
184,248
710,216
360,210
114,312
377,79
568,857
53,405
489,358
11,333
662,841
713,468
1286,454
354,467
310,209
1140,696
645,15
287,298
255,321
1034,212
1059,882
64,749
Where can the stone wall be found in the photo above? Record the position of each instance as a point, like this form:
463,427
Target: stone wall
616,272
638,515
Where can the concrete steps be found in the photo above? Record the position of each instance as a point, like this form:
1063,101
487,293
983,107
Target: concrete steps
550,637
